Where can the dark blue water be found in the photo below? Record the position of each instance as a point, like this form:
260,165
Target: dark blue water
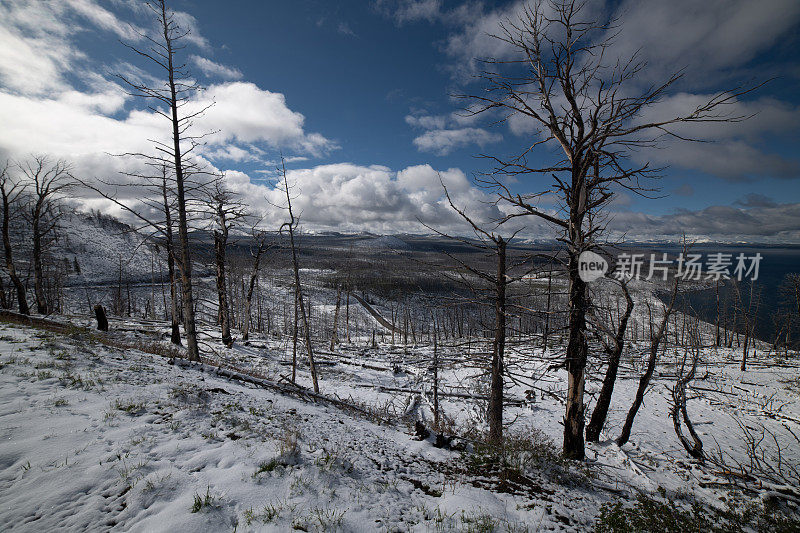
776,263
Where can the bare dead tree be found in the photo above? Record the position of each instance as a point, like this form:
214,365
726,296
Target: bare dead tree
546,332
334,336
259,248
495,244
588,106
169,242
678,411
295,333
5,302
11,192
175,93
614,350
656,336
226,210
47,182
749,314
789,292
290,226
435,375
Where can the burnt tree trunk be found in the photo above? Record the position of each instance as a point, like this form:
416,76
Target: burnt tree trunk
304,317
435,380
750,325
175,333
347,315
294,338
644,381
249,298
185,263
334,337
22,302
577,346
100,315
297,287
498,348
600,412
220,245
4,302
577,349
547,310
38,268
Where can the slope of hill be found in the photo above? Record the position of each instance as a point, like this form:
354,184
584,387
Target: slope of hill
108,437
99,438
100,245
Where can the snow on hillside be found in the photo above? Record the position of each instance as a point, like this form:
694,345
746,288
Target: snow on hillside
100,244
99,437
96,439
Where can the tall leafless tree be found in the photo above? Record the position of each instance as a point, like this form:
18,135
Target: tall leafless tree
290,226
749,314
226,210
334,335
588,107
174,92
498,281
258,249
12,192
47,181
169,244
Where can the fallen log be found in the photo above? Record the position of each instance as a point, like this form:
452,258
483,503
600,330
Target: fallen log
382,321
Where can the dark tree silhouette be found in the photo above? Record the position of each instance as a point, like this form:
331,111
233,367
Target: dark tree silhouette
11,192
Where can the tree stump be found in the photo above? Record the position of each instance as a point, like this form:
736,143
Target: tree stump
100,315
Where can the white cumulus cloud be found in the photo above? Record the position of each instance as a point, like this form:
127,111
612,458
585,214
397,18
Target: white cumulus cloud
350,197
210,68
442,142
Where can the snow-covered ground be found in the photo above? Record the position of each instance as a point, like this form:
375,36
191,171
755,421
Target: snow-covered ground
99,437
96,438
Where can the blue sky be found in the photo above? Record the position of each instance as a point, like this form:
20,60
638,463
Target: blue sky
357,95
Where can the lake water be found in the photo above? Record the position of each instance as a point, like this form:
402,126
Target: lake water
776,262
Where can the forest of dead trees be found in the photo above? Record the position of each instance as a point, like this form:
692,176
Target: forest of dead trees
215,266
246,290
